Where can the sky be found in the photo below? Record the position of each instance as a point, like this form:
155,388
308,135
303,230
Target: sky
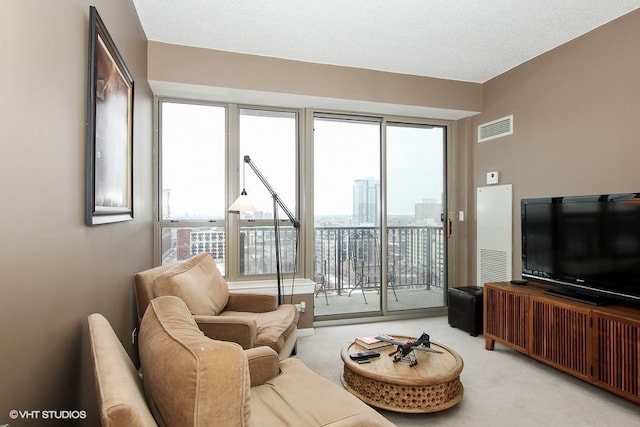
347,151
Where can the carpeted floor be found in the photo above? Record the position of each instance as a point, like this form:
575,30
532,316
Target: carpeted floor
501,387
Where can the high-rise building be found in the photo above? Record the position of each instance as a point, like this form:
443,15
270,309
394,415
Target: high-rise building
366,202
428,211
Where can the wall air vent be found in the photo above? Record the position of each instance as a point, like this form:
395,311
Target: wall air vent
495,129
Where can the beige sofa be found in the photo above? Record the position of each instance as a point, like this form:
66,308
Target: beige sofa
191,380
249,319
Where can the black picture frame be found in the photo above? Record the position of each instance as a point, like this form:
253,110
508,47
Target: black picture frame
109,145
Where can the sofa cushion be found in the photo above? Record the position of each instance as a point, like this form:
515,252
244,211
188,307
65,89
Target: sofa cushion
188,378
197,282
301,397
272,327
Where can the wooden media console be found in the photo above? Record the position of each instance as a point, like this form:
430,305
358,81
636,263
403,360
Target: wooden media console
598,344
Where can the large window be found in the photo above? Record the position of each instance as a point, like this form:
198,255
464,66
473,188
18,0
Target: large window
374,195
196,185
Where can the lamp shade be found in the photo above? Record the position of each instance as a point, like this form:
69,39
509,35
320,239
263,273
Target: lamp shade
242,204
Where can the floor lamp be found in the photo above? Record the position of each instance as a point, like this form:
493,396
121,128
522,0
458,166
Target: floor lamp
242,204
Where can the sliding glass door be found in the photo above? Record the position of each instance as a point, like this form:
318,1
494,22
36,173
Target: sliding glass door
415,195
379,189
347,214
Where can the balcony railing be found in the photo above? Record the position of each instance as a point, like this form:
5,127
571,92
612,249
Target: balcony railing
257,250
345,258
349,257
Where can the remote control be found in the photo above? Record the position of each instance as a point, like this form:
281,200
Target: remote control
364,355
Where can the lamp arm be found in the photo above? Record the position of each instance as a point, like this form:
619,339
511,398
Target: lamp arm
277,199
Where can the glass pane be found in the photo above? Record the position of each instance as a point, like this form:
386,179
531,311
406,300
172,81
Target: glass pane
269,139
347,212
258,254
415,195
193,161
180,243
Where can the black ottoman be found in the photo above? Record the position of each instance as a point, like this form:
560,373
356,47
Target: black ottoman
465,309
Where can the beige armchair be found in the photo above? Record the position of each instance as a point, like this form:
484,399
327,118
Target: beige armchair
249,319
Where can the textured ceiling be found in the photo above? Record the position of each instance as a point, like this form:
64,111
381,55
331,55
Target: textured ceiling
467,40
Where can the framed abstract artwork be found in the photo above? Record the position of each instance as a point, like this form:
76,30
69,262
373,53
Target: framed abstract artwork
109,146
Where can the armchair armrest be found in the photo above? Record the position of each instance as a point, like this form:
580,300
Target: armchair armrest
263,364
252,303
227,328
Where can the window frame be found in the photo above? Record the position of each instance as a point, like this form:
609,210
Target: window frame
237,223
385,120
304,159
231,223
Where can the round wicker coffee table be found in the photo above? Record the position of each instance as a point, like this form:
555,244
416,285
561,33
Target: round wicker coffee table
432,385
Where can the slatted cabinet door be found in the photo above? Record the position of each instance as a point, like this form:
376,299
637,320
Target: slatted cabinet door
506,318
560,336
617,356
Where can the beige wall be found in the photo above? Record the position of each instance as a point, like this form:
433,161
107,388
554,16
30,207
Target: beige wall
576,111
56,270
460,194
249,72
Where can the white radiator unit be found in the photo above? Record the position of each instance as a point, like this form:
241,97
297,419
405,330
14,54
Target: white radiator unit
494,218
495,129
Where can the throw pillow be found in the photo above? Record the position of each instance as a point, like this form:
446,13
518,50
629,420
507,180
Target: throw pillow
196,281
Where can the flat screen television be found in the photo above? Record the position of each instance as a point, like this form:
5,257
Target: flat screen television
588,246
